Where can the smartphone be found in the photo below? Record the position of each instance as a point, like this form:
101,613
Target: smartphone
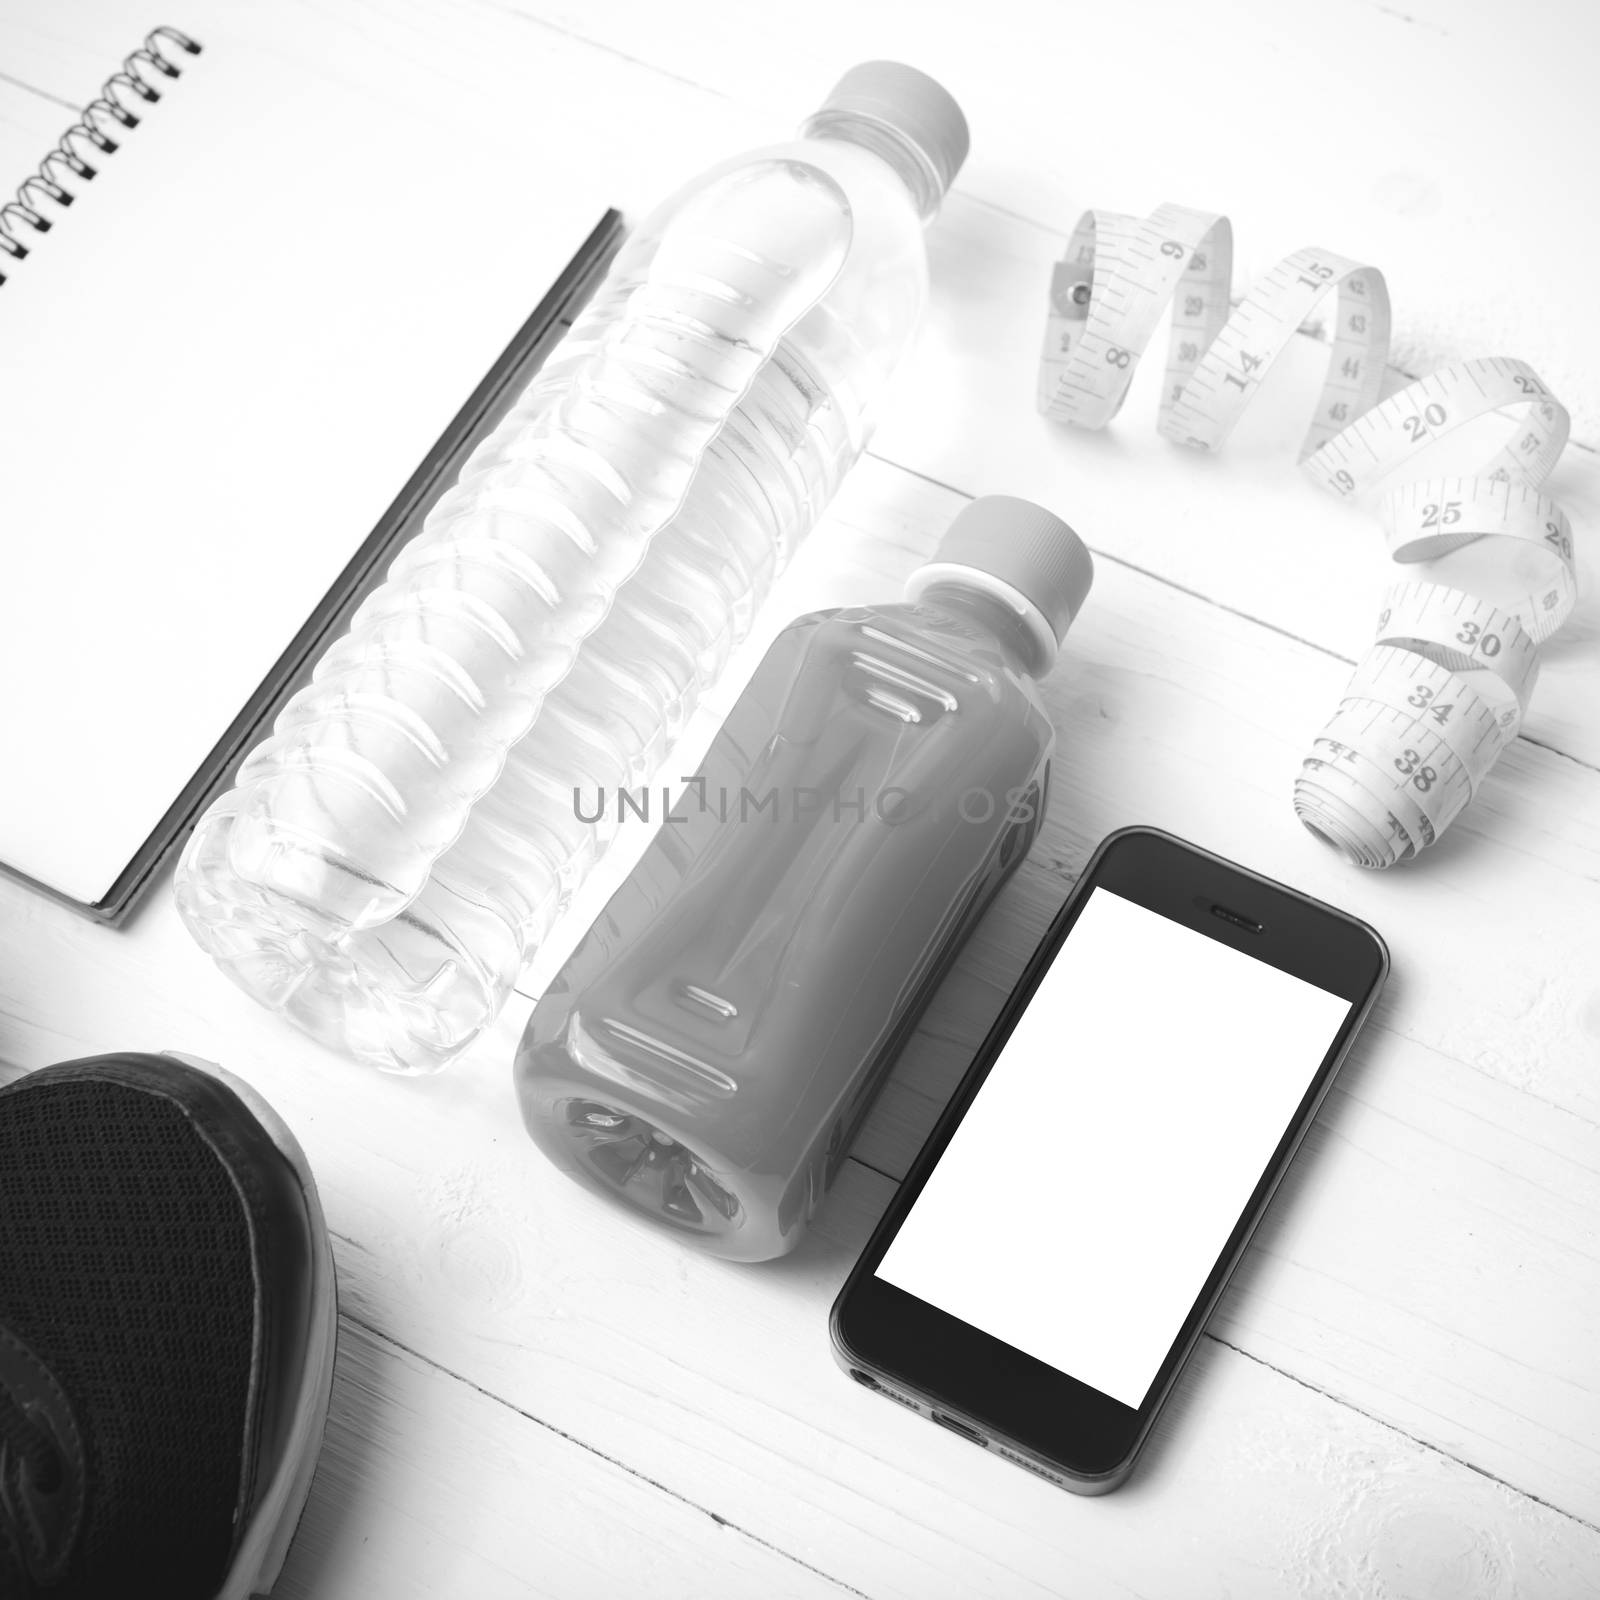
1047,1266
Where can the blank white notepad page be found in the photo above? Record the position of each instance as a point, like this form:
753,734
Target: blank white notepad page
216,372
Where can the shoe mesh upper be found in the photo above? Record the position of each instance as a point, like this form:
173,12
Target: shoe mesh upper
126,1264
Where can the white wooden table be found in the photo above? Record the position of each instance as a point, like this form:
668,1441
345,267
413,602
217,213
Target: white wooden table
1400,1396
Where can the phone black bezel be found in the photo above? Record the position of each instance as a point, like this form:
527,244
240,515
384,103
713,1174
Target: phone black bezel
1014,1399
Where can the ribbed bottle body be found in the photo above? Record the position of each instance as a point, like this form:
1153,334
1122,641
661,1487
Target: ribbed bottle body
394,851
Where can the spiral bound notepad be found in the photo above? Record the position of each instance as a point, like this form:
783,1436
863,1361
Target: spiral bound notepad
250,319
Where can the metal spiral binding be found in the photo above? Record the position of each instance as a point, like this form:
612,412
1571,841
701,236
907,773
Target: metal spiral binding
70,161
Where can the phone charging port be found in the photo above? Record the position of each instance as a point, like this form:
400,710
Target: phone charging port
962,1428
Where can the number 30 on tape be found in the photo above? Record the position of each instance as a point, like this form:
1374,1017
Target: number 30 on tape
1444,687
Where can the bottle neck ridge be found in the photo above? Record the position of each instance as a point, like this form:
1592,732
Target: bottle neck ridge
911,164
1015,623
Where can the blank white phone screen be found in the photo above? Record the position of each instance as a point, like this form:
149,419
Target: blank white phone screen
1089,1190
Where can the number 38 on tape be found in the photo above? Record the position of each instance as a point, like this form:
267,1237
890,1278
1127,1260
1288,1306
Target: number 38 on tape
1444,687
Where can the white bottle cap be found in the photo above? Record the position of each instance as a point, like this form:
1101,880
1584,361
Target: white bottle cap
918,107
1023,555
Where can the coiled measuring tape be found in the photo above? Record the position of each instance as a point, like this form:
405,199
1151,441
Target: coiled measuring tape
1446,683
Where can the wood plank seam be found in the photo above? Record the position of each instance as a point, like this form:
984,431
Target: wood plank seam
1412,1438
1144,572
43,94
607,49
385,1336
1336,1399
577,37
1211,600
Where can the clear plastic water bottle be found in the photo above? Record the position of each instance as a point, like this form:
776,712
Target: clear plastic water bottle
706,1054
391,855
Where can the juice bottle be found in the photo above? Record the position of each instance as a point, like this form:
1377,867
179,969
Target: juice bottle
708,1051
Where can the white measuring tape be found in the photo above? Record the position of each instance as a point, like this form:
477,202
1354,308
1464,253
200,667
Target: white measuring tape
1447,680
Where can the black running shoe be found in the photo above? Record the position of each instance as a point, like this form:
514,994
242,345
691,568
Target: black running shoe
166,1333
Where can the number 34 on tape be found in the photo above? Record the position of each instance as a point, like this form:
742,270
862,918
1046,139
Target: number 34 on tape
1446,683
